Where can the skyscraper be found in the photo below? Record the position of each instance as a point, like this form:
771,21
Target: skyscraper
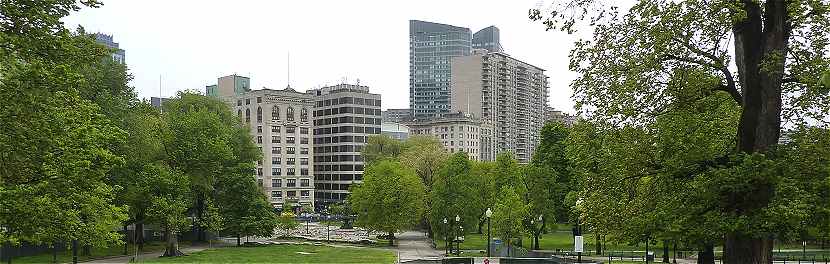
508,94
118,54
431,46
345,115
487,38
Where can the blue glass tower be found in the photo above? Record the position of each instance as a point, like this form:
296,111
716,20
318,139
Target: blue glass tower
431,46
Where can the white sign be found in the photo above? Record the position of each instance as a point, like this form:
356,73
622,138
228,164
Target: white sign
486,260
578,244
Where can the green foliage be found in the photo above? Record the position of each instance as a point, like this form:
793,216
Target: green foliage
390,199
286,222
424,154
548,176
381,147
508,215
168,199
454,192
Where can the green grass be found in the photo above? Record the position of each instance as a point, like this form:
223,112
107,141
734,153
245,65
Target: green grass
95,253
285,254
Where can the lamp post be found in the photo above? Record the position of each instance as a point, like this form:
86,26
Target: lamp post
536,238
578,232
488,213
457,246
446,239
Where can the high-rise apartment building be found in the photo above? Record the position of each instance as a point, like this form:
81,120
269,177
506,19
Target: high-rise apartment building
396,115
488,38
281,124
505,93
345,115
431,46
118,54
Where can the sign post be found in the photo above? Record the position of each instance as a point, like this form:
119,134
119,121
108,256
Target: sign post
578,247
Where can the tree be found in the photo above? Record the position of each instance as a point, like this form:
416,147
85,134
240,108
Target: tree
553,177
168,203
425,155
541,198
508,216
390,199
244,208
779,49
454,193
286,222
380,147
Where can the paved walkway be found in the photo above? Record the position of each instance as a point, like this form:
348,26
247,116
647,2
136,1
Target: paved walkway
414,245
146,256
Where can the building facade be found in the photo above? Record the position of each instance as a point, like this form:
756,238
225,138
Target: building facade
553,115
431,46
487,38
396,115
457,132
395,130
506,94
157,102
345,115
281,125
118,53
229,86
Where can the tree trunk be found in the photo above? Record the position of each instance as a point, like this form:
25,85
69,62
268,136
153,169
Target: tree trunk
761,36
665,251
707,255
536,240
139,233
126,240
171,248
599,244
198,228
238,239
87,249
391,238
54,252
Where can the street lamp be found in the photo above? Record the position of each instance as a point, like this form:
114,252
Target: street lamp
488,213
446,239
541,225
457,246
579,232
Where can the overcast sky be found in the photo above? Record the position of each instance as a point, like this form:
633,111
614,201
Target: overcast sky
192,43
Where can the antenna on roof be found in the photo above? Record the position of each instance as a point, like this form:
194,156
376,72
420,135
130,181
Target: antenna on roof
288,74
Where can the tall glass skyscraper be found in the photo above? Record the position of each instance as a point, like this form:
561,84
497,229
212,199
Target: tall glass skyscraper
431,46
488,38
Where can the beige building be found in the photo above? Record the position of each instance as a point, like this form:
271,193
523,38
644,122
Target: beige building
458,132
504,93
281,124
553,115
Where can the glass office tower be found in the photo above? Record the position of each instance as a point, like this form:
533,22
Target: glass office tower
431,46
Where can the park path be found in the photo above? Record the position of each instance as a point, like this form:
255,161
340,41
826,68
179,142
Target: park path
415,245
146,256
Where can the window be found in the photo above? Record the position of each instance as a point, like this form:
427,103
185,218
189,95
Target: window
275,171
275,113
276,160
239,114
259,172
238,102
290,161
276,194
303,161
259,129
259,139
248,115
303,150
304,171
275,139
259,114
291,194
304,140
259,99
275,129
275,183
247,101
276,150
304,130
289,114
290,130
290,140
291,183
304,115
259,182
290,150
305,193
291,172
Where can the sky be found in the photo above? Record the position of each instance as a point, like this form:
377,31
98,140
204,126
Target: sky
180,45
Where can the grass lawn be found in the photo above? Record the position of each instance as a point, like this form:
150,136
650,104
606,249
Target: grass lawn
285,254
115,250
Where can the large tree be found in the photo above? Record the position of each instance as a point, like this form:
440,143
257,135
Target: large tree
779,49
391,198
